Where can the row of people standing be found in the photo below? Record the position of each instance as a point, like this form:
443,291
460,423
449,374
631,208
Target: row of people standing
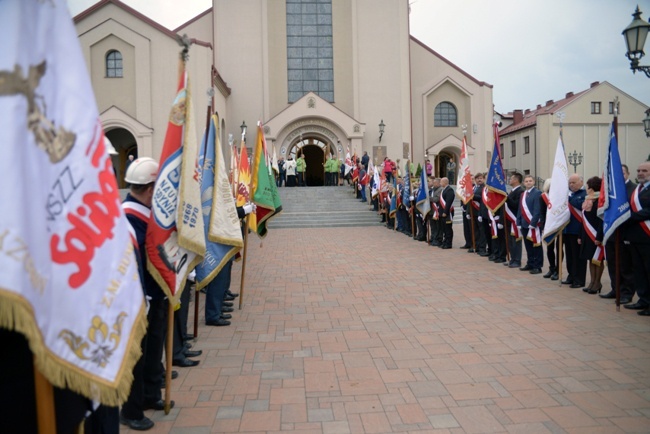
521,220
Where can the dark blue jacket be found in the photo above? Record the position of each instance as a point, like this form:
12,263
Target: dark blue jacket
575,200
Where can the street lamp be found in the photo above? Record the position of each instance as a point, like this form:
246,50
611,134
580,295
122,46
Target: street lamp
635,35
382,125
646,123
243,130
575,160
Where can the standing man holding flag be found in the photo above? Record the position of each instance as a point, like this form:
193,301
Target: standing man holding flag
557,213
465,192
422,201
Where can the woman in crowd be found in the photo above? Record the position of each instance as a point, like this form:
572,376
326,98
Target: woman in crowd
591,248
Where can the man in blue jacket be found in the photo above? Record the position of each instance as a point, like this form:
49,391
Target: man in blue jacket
528,219
577,268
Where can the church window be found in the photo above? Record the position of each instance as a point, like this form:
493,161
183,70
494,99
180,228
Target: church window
114,64
445,115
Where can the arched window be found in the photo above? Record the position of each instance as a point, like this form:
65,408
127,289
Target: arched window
445,115
114,64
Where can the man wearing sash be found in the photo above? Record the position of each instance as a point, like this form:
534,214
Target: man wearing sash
479,227
147,373
528,220
447,196
638,234
511,209
436,229
577,268
625,255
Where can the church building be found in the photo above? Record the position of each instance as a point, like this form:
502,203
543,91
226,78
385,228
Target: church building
324,77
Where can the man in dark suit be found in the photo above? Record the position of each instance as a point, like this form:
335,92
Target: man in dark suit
626,269
528,219
479,227
637,233
447,196
576,267
512,207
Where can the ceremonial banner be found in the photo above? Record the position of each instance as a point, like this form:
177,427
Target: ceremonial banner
393,199
376,177
263,189
68,273
423,204
274,162
223,235
234,169
244,177
558,213
613,205
496,178
406,192
465,189
175,235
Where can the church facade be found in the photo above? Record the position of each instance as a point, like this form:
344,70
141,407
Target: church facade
320,75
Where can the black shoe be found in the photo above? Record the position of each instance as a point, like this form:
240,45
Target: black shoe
143,424
174,375
227,309
232,294
188,337
514,265
576,285
227,303
626,300
189,353
555,276
465,247
225,316
567,282
484,254
445,247
636,306
644,312
228,298
499,261
471,251
526,268
157,405
548,274
610,294
536,271
218,323
185,363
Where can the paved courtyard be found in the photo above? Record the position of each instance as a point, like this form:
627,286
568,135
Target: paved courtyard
362,330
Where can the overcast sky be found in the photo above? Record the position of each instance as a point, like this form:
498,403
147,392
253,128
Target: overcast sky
531,51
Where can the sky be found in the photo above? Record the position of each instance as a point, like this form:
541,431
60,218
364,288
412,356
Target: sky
531,51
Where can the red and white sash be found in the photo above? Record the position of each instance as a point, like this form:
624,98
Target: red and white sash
533,232
512,218
443,203
576,213
139,211
493,223
599,254
636,207
436,212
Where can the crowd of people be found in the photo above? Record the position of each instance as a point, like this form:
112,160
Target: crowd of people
520,221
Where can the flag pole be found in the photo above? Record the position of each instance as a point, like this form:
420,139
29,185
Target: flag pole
558,245
246,222
617,268
46,418
184,42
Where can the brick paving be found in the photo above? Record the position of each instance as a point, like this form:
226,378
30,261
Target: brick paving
362,330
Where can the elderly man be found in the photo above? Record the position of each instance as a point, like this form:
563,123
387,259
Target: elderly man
637,233
577,268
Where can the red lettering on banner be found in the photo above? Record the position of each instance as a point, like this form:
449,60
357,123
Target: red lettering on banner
87,234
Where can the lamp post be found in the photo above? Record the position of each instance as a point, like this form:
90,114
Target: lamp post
575,160
243,130
635,35
646,123
382,125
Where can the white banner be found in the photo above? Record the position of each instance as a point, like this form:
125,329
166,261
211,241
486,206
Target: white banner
68,273
558,214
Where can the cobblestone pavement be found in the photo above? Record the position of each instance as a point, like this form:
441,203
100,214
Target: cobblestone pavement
362,330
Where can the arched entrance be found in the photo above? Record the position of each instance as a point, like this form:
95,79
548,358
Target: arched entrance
315,151
441,166
125,145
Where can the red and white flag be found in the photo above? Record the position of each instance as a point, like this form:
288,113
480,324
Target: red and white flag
68,273
465,189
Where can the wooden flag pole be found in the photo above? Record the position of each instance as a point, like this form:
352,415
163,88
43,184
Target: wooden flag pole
559,261
243,264
196,310
46,418
168,356
505,230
